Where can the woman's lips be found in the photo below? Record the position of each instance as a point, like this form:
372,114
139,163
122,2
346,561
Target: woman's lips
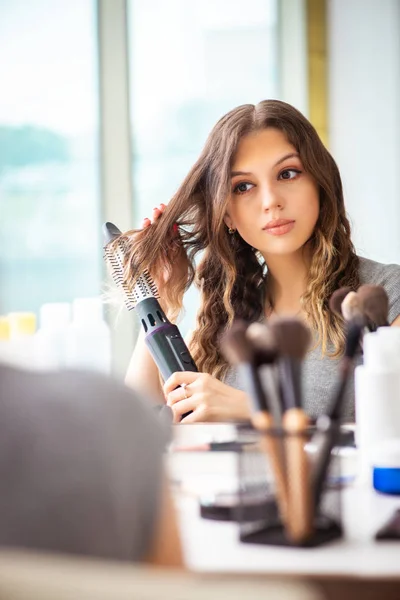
280,228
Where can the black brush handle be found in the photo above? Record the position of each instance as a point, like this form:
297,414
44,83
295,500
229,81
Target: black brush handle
326,438
169,351
164,341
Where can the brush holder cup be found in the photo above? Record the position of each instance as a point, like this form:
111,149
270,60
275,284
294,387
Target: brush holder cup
279,472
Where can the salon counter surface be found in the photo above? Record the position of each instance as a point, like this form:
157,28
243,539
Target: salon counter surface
214,546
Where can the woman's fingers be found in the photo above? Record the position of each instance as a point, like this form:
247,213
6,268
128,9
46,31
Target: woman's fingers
146,223
183,407
179,378
155,214
177,395
191,418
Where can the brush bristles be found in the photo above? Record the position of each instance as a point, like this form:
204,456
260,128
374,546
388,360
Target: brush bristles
235,346
351,308
263,341
374,303
336,300
292,337
142,288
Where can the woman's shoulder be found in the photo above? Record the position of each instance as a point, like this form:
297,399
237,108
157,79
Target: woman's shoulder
377,273
386,275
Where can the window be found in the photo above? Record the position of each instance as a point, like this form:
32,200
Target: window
49,192
191,61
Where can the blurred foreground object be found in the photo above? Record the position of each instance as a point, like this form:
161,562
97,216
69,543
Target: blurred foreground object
33,577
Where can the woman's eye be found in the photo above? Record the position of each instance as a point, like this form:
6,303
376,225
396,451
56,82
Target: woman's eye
289,174
242,188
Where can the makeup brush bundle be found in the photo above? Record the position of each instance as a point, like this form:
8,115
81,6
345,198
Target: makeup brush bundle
300,476
369,306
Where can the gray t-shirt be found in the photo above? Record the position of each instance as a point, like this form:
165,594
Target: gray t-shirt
80,465
320,372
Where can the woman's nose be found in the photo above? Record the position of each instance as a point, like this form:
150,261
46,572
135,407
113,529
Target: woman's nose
271,199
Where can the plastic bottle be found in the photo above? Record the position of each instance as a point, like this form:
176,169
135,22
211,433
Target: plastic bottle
51,338
377,395
88,337
20,352
4,338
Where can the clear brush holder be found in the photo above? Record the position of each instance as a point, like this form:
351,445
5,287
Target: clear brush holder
276,500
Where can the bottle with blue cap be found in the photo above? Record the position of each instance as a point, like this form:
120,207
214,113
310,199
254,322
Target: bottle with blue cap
386,466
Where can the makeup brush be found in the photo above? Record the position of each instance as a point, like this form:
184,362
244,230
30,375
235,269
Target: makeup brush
328,426
375,304
352,309
263,342
293,338
266,352
240,352
335,301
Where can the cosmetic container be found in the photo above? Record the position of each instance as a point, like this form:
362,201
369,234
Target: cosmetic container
17,346
386,467
51,337
377,396
88,337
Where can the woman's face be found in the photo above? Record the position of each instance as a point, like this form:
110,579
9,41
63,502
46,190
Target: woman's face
274,203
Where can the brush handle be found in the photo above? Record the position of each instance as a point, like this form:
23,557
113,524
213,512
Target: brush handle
263,421
335,410
272,446
169,351
248,373
300,506
327,438
164,340
290,375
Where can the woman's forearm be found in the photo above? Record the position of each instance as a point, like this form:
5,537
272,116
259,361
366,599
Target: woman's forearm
142,373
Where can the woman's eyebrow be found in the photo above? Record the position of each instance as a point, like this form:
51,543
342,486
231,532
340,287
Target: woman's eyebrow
278,162
236,173
290,155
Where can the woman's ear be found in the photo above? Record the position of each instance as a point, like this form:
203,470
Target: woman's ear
228,221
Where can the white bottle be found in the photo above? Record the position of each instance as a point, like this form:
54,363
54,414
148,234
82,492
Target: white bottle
4,339
89,338
377,395
51,338
18,350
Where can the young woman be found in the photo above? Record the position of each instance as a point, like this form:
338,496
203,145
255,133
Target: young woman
264,204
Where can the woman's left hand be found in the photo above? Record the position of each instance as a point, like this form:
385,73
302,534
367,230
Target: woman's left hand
206,396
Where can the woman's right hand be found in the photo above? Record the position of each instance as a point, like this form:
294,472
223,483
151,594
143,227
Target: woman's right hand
177,254
156,214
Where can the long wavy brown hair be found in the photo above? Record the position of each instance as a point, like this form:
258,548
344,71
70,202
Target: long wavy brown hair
231,277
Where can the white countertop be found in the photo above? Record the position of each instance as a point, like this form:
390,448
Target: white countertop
214,546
